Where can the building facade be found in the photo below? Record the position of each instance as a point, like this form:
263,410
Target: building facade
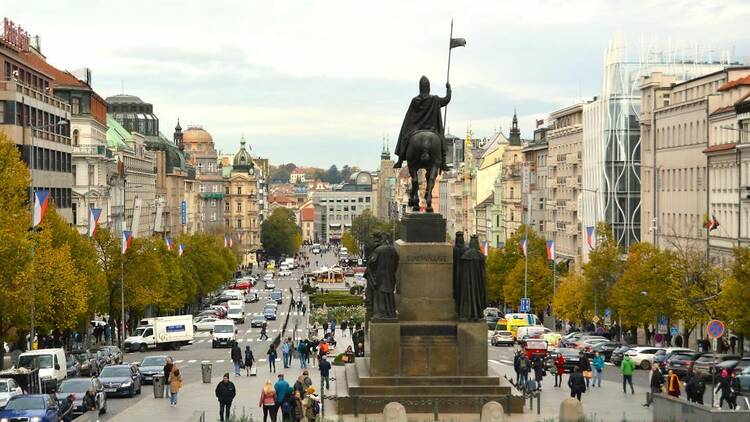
241,211
36,120
512,183
564,178
203,157
535,154
335,209
385,205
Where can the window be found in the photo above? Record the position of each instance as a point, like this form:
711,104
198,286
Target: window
91,175
239,207
226,190
226,209
239,190
74,174
239,223
75,138
367,199
75,106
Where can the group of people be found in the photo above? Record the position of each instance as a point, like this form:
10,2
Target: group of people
303,349
238,362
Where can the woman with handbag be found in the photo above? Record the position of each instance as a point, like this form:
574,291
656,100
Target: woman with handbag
585,366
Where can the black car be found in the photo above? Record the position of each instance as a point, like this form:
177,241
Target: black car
121,380
617,354
89,363
733,365
78,388
681,362
572,358
102,357
605,349
151,366
704,366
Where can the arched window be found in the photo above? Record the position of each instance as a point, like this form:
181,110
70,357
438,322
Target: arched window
75,138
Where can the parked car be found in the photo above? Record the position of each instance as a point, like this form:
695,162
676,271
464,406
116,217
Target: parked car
706,364
661,357
88,361
124,379
150,366
500,338
78,387
51,364
251,298
733,365
30,407
617,354
285,273
744,378
257,321
604,348
114,353
8,389
572,357
102,358
681,362
643,356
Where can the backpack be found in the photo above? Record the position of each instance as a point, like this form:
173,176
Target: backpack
316,407
523,364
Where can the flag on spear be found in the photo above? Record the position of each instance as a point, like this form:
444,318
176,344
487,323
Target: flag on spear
94,214
170,243
41,201
458,42
181,249
127,239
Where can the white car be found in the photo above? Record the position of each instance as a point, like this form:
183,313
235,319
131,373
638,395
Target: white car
8,389
502,337
204,324
285,273
643,356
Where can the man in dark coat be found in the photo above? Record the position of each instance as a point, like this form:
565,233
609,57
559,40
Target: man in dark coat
473,287
225,392
423,114
381,268
459,247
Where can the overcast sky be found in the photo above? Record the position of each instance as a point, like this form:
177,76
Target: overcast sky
322,82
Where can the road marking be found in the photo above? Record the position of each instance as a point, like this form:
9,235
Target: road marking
262,360
248,331
220,361
191,361
179,361
240,340
205,361
609,363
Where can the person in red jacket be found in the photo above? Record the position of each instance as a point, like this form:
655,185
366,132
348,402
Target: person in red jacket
559,369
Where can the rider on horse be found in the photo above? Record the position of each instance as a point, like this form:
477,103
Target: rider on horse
423,114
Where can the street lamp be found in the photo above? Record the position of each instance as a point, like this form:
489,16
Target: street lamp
59,123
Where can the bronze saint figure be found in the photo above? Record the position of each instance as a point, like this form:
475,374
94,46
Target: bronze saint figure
381,272
459,247
473,288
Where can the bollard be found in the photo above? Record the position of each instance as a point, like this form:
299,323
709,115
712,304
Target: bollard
158,386
206,373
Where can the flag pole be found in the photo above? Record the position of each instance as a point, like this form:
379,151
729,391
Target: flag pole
447,79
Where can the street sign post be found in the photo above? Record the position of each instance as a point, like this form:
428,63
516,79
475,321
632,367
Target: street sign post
674,331
525,304
663,326
715,328
608,316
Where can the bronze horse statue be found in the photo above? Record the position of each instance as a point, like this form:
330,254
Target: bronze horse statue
424,151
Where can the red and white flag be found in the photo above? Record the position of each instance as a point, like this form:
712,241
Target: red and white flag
41,201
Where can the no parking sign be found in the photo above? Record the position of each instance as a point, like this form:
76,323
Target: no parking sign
715,328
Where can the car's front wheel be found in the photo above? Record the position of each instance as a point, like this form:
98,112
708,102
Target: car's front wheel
645,364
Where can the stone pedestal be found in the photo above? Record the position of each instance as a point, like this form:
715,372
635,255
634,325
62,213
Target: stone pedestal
416,360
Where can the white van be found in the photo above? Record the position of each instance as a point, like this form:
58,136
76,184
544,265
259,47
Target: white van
223,333
52,366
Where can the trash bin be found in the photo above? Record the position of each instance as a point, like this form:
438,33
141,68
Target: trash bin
206,372
158,386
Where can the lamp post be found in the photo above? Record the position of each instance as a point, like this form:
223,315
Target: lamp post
32,152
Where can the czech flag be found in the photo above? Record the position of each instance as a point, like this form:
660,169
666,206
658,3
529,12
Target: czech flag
485,248
41,200
170,243
127,239
228,241
94,214
524,246
590,239
181,249
551,250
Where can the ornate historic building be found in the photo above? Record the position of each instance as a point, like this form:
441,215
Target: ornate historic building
241,206
199,146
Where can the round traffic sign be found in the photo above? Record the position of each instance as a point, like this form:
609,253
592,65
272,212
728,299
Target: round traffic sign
715,328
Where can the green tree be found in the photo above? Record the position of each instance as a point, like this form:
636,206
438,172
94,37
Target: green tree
333,175
279,233
350,243
364,227
501,262
604,268
734,301
208,262
538,285
645,289
15,219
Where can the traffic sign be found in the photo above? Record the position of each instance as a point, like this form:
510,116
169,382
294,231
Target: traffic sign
674,331
715,328
663,326
595,319
608,312
525,304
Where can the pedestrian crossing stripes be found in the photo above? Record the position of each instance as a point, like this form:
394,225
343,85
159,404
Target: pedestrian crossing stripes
191,361
179,361
239,340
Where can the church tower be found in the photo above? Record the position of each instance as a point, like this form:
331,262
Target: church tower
515,133
177,137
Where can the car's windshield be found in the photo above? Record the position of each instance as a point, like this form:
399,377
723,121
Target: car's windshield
154,361
114,372
3,387
74,386
235,311
35,361
223,329
26,403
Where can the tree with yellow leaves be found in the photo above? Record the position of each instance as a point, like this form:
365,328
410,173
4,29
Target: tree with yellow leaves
571,301
735,296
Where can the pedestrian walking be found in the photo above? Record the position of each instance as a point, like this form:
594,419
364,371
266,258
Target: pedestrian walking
626,369
167,371
236,355
538,367
282,390
325,370
724,388
559,365
66,408
225,392
523,367
585,366
576,383
312,405
736,389
343,328
517,366
175,384
598,364
268,401
271,353
249,360
655,384
325,327
301,354
263,328
285,349
299,408
307,379
299,385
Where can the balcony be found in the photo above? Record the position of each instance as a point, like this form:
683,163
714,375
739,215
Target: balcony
92,151
22,88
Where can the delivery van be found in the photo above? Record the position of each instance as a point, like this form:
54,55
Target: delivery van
171,332
223,334
51,363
